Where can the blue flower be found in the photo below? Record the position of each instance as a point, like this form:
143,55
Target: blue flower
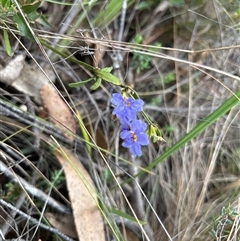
126,108
134,136
132,131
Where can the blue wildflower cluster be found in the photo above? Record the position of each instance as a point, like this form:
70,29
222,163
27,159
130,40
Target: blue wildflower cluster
132,130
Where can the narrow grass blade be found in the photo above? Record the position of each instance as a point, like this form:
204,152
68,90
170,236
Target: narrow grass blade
101,73
119,213
80,84
7,44
84,133
111,12
224,108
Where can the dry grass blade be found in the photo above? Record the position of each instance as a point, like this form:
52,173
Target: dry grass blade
83,197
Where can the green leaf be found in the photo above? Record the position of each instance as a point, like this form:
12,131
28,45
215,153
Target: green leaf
5,3
22,26
126,216
7,44
108,69
111,11
104,74
29,8
96,84
33,16
79,84
43,21
176,3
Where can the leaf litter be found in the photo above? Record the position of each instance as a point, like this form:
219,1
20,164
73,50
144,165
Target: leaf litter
30,80
83,197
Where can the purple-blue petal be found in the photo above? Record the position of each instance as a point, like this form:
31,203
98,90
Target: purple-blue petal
131,129
142,139
127,143
137,105
117,99
125,134
129,114
125,126
136,150
124,118
119,110
138,126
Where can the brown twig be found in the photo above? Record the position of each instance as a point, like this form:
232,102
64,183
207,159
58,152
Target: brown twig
10,110
35,221
33,190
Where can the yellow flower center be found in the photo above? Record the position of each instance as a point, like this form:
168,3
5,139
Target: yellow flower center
134,137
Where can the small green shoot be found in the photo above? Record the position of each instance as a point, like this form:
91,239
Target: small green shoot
126,216
169,77
141,61
224,224
22,13
7,44
57,178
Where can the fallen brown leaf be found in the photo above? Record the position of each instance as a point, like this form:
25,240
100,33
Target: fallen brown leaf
100,138
83,197
30,80
129,235
25,78
58,111
63,223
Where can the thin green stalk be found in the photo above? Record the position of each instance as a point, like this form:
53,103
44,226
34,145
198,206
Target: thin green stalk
109,13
